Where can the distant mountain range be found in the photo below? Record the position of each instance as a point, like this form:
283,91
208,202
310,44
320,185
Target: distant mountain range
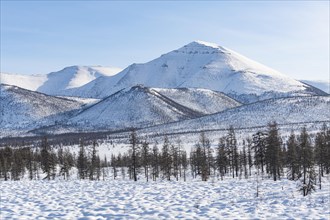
322,85
198,86
56,82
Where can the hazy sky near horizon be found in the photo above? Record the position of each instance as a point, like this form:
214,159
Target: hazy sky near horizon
40,37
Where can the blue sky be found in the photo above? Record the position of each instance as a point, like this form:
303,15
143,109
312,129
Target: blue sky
40,37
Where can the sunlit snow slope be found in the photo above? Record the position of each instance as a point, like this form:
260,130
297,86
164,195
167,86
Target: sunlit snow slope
201,65
30,82
56,83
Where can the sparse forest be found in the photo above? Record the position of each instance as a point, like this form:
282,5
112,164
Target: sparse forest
263,155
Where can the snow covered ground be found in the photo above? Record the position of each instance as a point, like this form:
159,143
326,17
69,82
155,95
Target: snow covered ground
125,199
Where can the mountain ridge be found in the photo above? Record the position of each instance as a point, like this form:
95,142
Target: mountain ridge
200,65
55,82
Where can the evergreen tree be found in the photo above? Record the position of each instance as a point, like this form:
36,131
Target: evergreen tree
231,150
221,157
273,151
321,152
184,162
155,161
306,163
244,160
203,156
48,159
166,163
292,158
95,162
145,158
259,144
134,142
6,156
82,161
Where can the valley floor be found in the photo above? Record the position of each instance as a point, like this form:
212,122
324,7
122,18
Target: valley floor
125,199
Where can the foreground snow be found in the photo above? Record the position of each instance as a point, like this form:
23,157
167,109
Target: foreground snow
124,199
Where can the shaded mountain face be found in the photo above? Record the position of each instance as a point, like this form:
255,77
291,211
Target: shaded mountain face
56,82
202,65
23,109
141,106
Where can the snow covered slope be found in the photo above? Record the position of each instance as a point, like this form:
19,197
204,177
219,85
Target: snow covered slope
283,110
30,82
141,106
56,83
202,100
23,109
201,65
323,85
73,77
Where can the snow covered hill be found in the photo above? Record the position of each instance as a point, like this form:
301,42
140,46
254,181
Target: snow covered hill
56,83
73,77
323,85
22,109
140,106
283,111
201,65
30,82
202,100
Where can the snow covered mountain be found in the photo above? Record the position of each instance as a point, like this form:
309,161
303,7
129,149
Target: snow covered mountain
283,111
323,85
22,109
141,107
202,100
30,82
56,82
201,65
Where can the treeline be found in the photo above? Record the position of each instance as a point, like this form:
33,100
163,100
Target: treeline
263,155
44,162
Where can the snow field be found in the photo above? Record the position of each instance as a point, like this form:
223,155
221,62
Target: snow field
125,199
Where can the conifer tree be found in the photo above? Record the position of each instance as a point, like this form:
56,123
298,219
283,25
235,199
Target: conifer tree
166,163
155,161
48,159
292,157
145,158
94,164
221,158
231,150
184,162
134,142
306,163
259,144
82,161
273,151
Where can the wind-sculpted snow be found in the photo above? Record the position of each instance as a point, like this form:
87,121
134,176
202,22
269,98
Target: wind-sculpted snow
201,65
125,199
23,109
283,111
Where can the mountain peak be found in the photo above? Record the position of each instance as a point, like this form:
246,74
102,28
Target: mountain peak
204,43
201,47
